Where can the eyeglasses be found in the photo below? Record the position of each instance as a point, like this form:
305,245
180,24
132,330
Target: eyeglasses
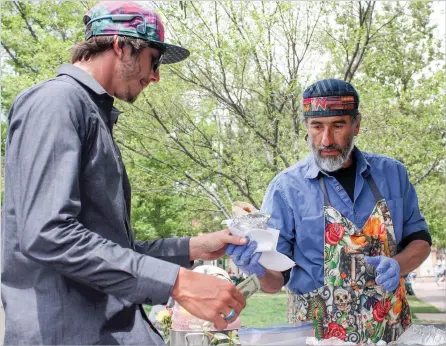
156,62
141,29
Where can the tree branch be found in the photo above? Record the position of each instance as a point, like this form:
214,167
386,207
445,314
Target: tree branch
427,173
23,15
15,60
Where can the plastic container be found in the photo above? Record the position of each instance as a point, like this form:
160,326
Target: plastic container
287,334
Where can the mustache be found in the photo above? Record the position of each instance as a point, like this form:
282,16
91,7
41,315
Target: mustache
330,147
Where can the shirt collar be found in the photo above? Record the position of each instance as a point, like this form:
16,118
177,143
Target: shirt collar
82,77
104,100
362,165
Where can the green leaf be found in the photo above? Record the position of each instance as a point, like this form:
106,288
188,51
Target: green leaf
221,336
338,282
331,280
332,264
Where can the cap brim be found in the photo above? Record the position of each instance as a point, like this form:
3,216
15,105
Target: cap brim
331,113
173,54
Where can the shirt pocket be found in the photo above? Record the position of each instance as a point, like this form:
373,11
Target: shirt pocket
311,235
310,246
396,213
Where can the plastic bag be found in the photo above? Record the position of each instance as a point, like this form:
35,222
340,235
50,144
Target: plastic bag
332,341
289,334
414,335
422,335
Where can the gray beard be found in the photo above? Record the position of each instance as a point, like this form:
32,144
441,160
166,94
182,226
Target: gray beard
332,163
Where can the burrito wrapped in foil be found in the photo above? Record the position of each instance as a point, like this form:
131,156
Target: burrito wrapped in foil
249,222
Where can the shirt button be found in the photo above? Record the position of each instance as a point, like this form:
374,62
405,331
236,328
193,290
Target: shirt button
338,187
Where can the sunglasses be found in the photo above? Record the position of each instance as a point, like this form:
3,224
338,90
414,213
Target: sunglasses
156,62
141,29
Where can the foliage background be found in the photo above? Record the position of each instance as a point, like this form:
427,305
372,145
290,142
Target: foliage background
220,125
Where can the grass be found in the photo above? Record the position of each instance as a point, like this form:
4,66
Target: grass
268,309
264,310
261,310
419,306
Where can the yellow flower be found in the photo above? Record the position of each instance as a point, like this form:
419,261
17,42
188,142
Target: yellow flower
162,316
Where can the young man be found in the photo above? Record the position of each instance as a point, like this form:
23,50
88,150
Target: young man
72,271
342,214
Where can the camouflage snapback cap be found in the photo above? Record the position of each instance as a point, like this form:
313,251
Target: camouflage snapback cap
128,18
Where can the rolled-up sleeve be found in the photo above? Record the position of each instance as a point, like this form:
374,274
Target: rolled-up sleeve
275,204
413,220
45,143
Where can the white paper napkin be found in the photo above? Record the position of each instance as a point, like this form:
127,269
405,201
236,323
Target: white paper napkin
266,244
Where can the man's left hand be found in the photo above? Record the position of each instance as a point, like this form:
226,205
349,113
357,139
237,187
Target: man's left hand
212,246
387,269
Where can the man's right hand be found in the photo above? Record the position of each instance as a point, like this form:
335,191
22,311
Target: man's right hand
207,297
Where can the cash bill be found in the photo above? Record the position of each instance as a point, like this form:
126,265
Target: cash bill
249,286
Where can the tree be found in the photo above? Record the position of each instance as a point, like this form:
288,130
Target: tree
393,58
220,125
220,110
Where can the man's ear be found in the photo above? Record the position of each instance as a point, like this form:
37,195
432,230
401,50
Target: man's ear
118,50
357,125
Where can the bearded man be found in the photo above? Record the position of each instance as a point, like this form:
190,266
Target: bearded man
342,214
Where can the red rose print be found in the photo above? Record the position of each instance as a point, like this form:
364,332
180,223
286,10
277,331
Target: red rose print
334,232
381,309
343,275
334,330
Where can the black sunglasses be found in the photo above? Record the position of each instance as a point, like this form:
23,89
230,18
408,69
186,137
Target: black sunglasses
156,62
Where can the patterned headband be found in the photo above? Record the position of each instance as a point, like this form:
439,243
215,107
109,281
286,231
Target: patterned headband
315,104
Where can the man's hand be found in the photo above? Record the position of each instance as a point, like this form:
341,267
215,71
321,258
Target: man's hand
212,245
208,297
243,256
387,269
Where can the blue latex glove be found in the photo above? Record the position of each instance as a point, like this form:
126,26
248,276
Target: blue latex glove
244,258
387,270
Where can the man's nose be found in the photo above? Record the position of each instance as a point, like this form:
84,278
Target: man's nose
327,137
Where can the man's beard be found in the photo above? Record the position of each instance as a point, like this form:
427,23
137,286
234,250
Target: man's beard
332,163
128,70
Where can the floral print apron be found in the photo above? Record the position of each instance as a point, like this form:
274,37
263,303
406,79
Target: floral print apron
350,305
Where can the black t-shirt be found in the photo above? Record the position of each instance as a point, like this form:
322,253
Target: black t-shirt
346,177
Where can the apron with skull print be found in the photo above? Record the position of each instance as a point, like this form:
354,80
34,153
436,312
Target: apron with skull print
350,305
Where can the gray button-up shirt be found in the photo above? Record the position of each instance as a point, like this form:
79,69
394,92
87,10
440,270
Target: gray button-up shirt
72,273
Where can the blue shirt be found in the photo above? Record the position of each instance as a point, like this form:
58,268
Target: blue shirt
295,200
